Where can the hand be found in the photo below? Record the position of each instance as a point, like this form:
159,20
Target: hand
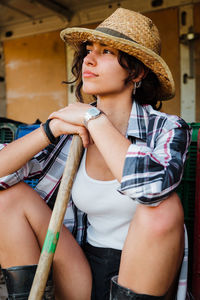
59,127
73,113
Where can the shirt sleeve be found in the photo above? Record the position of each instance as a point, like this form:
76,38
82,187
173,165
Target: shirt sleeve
151,172
31,169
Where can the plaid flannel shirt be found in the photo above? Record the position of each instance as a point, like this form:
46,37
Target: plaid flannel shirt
153,168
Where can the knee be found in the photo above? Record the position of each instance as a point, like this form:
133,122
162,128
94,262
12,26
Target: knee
166,218
10,197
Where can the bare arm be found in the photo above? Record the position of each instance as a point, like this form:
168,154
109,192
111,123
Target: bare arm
16,154
110,142
149,174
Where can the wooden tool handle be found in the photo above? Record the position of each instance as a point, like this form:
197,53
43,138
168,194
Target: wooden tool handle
49,246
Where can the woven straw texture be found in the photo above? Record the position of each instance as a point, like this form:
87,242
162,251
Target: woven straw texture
134,34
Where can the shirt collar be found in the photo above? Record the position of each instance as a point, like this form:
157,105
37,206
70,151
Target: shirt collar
138,121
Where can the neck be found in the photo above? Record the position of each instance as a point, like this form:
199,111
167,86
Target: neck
117,109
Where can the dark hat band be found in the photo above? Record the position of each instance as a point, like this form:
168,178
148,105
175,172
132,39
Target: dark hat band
114,33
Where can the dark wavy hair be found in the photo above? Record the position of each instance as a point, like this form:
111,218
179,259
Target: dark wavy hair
145,94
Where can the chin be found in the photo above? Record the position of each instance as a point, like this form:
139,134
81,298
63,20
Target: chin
89,91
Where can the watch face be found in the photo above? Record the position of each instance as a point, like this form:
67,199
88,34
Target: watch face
94,112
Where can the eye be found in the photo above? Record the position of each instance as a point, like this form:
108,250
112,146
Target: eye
107,51
88,50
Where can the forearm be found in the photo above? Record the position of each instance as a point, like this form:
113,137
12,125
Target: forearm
19,152
111,143
149,174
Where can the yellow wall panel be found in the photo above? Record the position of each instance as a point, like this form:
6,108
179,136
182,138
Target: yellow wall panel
167,23
35,67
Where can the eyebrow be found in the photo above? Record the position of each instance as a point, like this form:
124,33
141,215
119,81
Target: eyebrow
89,43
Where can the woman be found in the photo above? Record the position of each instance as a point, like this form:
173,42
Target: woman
132,163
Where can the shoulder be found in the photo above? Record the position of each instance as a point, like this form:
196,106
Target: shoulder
164,121
165,127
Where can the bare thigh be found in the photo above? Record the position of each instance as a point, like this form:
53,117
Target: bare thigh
24,219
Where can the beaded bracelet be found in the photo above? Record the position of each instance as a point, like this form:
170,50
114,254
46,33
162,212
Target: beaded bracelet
48,132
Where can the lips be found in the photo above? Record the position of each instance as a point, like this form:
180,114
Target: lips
89,74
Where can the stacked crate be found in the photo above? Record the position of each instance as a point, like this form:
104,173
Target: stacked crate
22,130
186,192
7,132
25,129
196,253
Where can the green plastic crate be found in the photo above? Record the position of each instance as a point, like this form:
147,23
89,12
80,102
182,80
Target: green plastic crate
186,189
7,132
186,192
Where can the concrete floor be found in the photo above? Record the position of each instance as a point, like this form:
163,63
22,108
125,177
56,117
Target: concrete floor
3,292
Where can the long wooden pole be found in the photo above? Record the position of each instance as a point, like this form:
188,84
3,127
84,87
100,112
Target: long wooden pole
49,246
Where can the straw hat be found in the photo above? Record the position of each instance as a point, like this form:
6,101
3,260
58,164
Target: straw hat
134,34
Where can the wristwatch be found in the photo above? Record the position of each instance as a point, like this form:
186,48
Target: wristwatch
91,113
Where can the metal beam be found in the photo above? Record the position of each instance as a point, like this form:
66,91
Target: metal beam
57,8
5,3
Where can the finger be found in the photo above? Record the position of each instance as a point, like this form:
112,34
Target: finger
54,115
68,128
84,134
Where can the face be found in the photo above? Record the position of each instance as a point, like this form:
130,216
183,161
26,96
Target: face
102,74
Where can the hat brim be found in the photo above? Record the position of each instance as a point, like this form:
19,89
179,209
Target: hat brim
75,36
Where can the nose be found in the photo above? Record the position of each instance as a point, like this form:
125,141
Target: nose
90,59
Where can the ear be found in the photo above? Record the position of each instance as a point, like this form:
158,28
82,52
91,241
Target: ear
142,75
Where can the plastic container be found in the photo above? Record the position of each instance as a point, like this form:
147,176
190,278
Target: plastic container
25,129
32,182
196,253
7,132
22,130
186,192
187,187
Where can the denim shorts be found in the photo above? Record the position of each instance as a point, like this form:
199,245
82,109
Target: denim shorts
104,263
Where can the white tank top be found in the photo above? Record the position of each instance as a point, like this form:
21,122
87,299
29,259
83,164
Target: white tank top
109,212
